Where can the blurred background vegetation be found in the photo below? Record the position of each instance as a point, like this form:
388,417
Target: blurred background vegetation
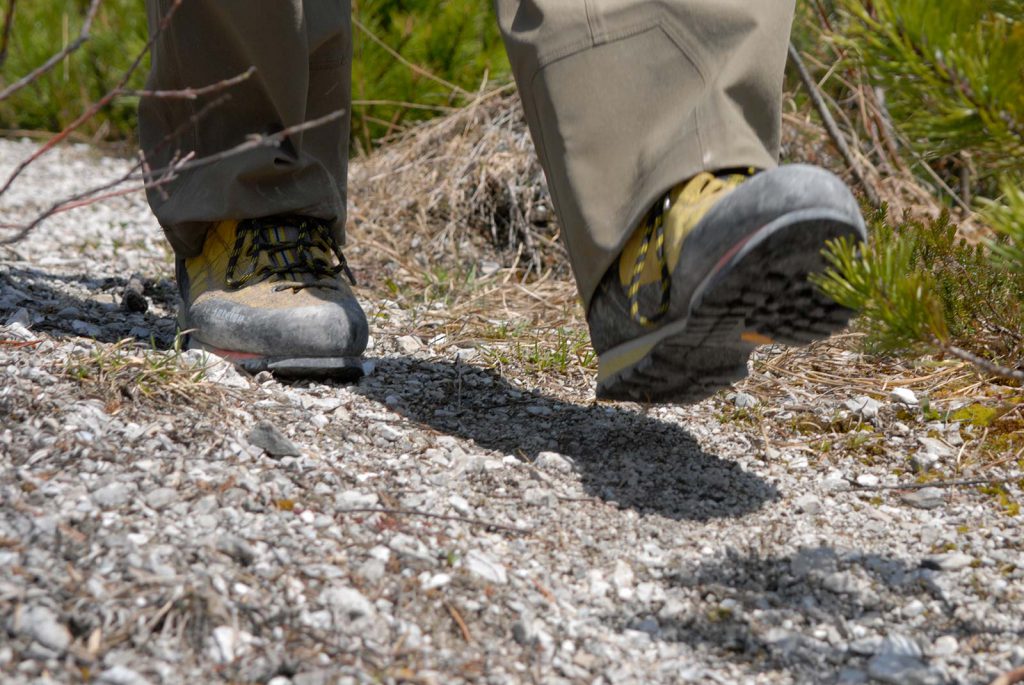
928,95
454,42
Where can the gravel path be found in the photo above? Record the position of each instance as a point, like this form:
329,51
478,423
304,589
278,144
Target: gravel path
434,523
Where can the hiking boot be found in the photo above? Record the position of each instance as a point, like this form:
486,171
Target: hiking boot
716,268
267,294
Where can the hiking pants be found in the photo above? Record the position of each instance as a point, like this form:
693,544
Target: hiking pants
624,99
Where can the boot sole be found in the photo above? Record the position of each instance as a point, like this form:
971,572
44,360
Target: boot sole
759,293
344,369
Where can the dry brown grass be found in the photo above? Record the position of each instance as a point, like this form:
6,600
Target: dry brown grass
469,250
470,246
128,376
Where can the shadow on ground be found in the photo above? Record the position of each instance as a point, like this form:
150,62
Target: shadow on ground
80,305
795,612
621,456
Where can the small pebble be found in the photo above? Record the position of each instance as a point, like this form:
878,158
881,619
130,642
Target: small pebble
905,396
924,498
954,561
266,436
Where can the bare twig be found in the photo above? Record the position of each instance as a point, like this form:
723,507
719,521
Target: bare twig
936,484
5,41
1012,678
830,125
415,67
984,364
54,59
443,517
192,93
98,105
160,177
460,622
253,143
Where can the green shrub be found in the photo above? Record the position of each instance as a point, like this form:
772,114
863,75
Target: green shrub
951,74
950,78
921,287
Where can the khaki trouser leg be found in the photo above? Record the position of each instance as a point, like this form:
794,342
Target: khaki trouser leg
302,51
626,98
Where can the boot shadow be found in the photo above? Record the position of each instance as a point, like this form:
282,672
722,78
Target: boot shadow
621,456
80,305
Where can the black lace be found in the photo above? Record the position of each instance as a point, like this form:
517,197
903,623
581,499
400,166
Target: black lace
313,241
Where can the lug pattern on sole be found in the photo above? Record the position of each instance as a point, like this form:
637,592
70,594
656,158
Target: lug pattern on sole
766,295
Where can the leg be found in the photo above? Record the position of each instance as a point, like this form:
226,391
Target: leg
257,234
301,50
629,102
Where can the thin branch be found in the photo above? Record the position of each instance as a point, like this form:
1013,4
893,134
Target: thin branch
192,93
937,484
403,105
93,195
830,125
5,41
984,364
160,177
55,59
460,622
415,67
95,107
444,517
252,143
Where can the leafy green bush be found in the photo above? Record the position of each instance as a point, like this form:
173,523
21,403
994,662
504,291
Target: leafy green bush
921,287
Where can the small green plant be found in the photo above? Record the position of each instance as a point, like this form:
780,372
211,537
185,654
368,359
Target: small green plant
127,370
949,78
922,288
557,352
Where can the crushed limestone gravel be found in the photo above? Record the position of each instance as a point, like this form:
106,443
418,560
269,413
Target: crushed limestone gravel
435,522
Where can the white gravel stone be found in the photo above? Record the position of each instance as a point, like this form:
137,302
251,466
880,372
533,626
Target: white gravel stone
460,504
437,581
937,448
267,436
623,579
485,567
904,396
553,461
868,480
924,498
42,625
945,646
113,495
743,400
953,561
348,602
864,406
161,498
893,669
409,344
808,504
900,645
354,499
120,675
